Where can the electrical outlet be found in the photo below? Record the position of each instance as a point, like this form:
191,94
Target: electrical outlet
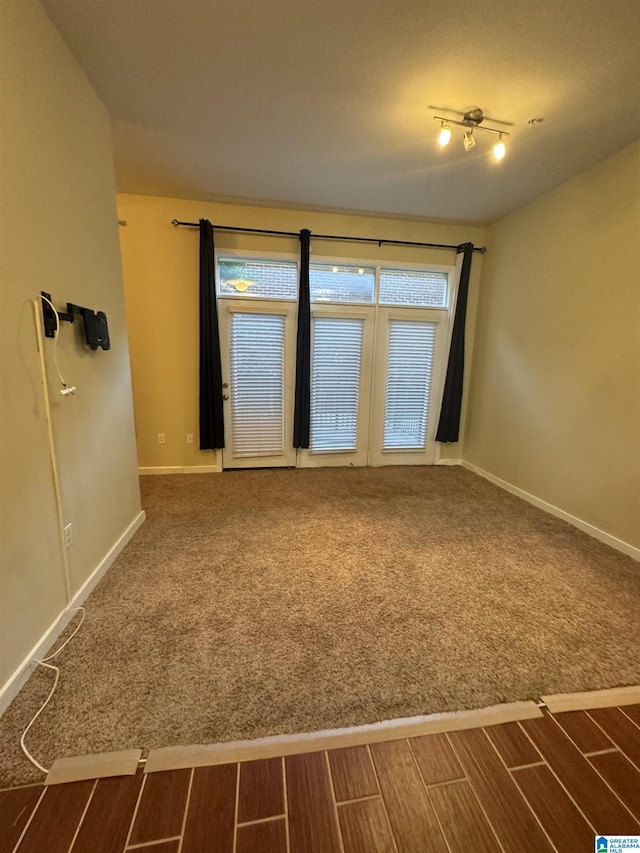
68,535
189,438
161,438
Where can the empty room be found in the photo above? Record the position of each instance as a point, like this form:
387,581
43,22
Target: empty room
320,426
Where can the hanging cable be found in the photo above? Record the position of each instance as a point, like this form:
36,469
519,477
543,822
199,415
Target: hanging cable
45,663
66,389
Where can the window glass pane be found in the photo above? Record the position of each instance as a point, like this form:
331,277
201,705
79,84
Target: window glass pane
265,279
257,384
409,369
331,283
408,287
335,383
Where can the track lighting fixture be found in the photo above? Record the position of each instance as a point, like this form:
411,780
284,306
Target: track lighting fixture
471,121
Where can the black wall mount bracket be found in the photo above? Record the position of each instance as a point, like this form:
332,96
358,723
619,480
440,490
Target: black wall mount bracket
95,322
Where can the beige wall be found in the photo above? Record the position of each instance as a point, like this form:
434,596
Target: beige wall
58,232
160,265
555,391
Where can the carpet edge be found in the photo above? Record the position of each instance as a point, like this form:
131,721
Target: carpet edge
579,523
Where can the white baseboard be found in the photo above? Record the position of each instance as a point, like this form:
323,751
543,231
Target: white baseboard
596,532
439,460
11,688
182,469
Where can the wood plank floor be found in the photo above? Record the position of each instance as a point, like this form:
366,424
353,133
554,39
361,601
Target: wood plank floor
548,784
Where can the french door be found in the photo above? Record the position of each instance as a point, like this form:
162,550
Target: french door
375,386
342,340
378,352
407,386
257,343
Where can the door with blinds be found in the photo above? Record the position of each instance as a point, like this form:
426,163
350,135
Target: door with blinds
258,373
341,352
408,387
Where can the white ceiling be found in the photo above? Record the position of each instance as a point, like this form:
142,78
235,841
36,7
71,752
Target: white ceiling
326,103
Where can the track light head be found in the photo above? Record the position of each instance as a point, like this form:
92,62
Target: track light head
469,140
444,137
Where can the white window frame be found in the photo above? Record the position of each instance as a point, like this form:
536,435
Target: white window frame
406,456
364,311
288,257
452,271
288,310
332,261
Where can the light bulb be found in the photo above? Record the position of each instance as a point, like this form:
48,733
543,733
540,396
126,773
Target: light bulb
499,149
468,140
445,134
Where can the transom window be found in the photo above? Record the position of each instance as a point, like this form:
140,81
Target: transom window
257,278
333,283
421,288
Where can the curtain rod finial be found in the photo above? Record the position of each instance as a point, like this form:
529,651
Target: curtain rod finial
175,223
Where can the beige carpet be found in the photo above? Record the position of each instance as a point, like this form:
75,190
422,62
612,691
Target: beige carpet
262,602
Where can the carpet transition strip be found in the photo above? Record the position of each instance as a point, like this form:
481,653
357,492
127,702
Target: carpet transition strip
178,757
594,699
125,762
99,766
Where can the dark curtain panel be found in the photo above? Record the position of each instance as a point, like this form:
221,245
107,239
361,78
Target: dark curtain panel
302,411
449,424
211,419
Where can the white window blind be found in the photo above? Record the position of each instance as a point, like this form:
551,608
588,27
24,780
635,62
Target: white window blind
335,383
409,371
257,384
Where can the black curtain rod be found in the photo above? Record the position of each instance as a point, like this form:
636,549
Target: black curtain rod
176,223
